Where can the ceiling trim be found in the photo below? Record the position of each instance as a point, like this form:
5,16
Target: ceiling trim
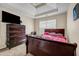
39,5
47,12
50,15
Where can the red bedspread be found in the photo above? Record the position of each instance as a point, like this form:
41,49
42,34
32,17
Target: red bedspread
54,37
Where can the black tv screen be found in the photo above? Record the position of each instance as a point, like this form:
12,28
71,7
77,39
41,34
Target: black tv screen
76,12
10,18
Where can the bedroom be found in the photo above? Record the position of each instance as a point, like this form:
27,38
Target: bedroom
32,14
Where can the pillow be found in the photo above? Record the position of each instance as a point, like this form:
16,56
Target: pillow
55,34
46,33
59,34
52,33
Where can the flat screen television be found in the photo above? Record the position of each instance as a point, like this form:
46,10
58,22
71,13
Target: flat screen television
76,12
10,18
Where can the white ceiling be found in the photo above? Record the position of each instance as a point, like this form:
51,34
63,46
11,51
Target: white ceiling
37,10
37,5
51,9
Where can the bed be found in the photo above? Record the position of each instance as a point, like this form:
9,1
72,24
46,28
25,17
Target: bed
39,46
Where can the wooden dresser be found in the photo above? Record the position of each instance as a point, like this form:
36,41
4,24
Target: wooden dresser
15,35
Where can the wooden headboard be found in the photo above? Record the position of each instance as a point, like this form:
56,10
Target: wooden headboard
56,31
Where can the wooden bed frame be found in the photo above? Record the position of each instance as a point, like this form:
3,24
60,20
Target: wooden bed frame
42,47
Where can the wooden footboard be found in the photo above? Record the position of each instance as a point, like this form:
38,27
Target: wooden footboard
41,47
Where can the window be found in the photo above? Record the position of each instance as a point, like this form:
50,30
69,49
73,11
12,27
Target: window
48,24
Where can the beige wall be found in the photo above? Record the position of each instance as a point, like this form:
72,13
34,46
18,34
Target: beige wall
27,21
73,27
61,21
2,35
